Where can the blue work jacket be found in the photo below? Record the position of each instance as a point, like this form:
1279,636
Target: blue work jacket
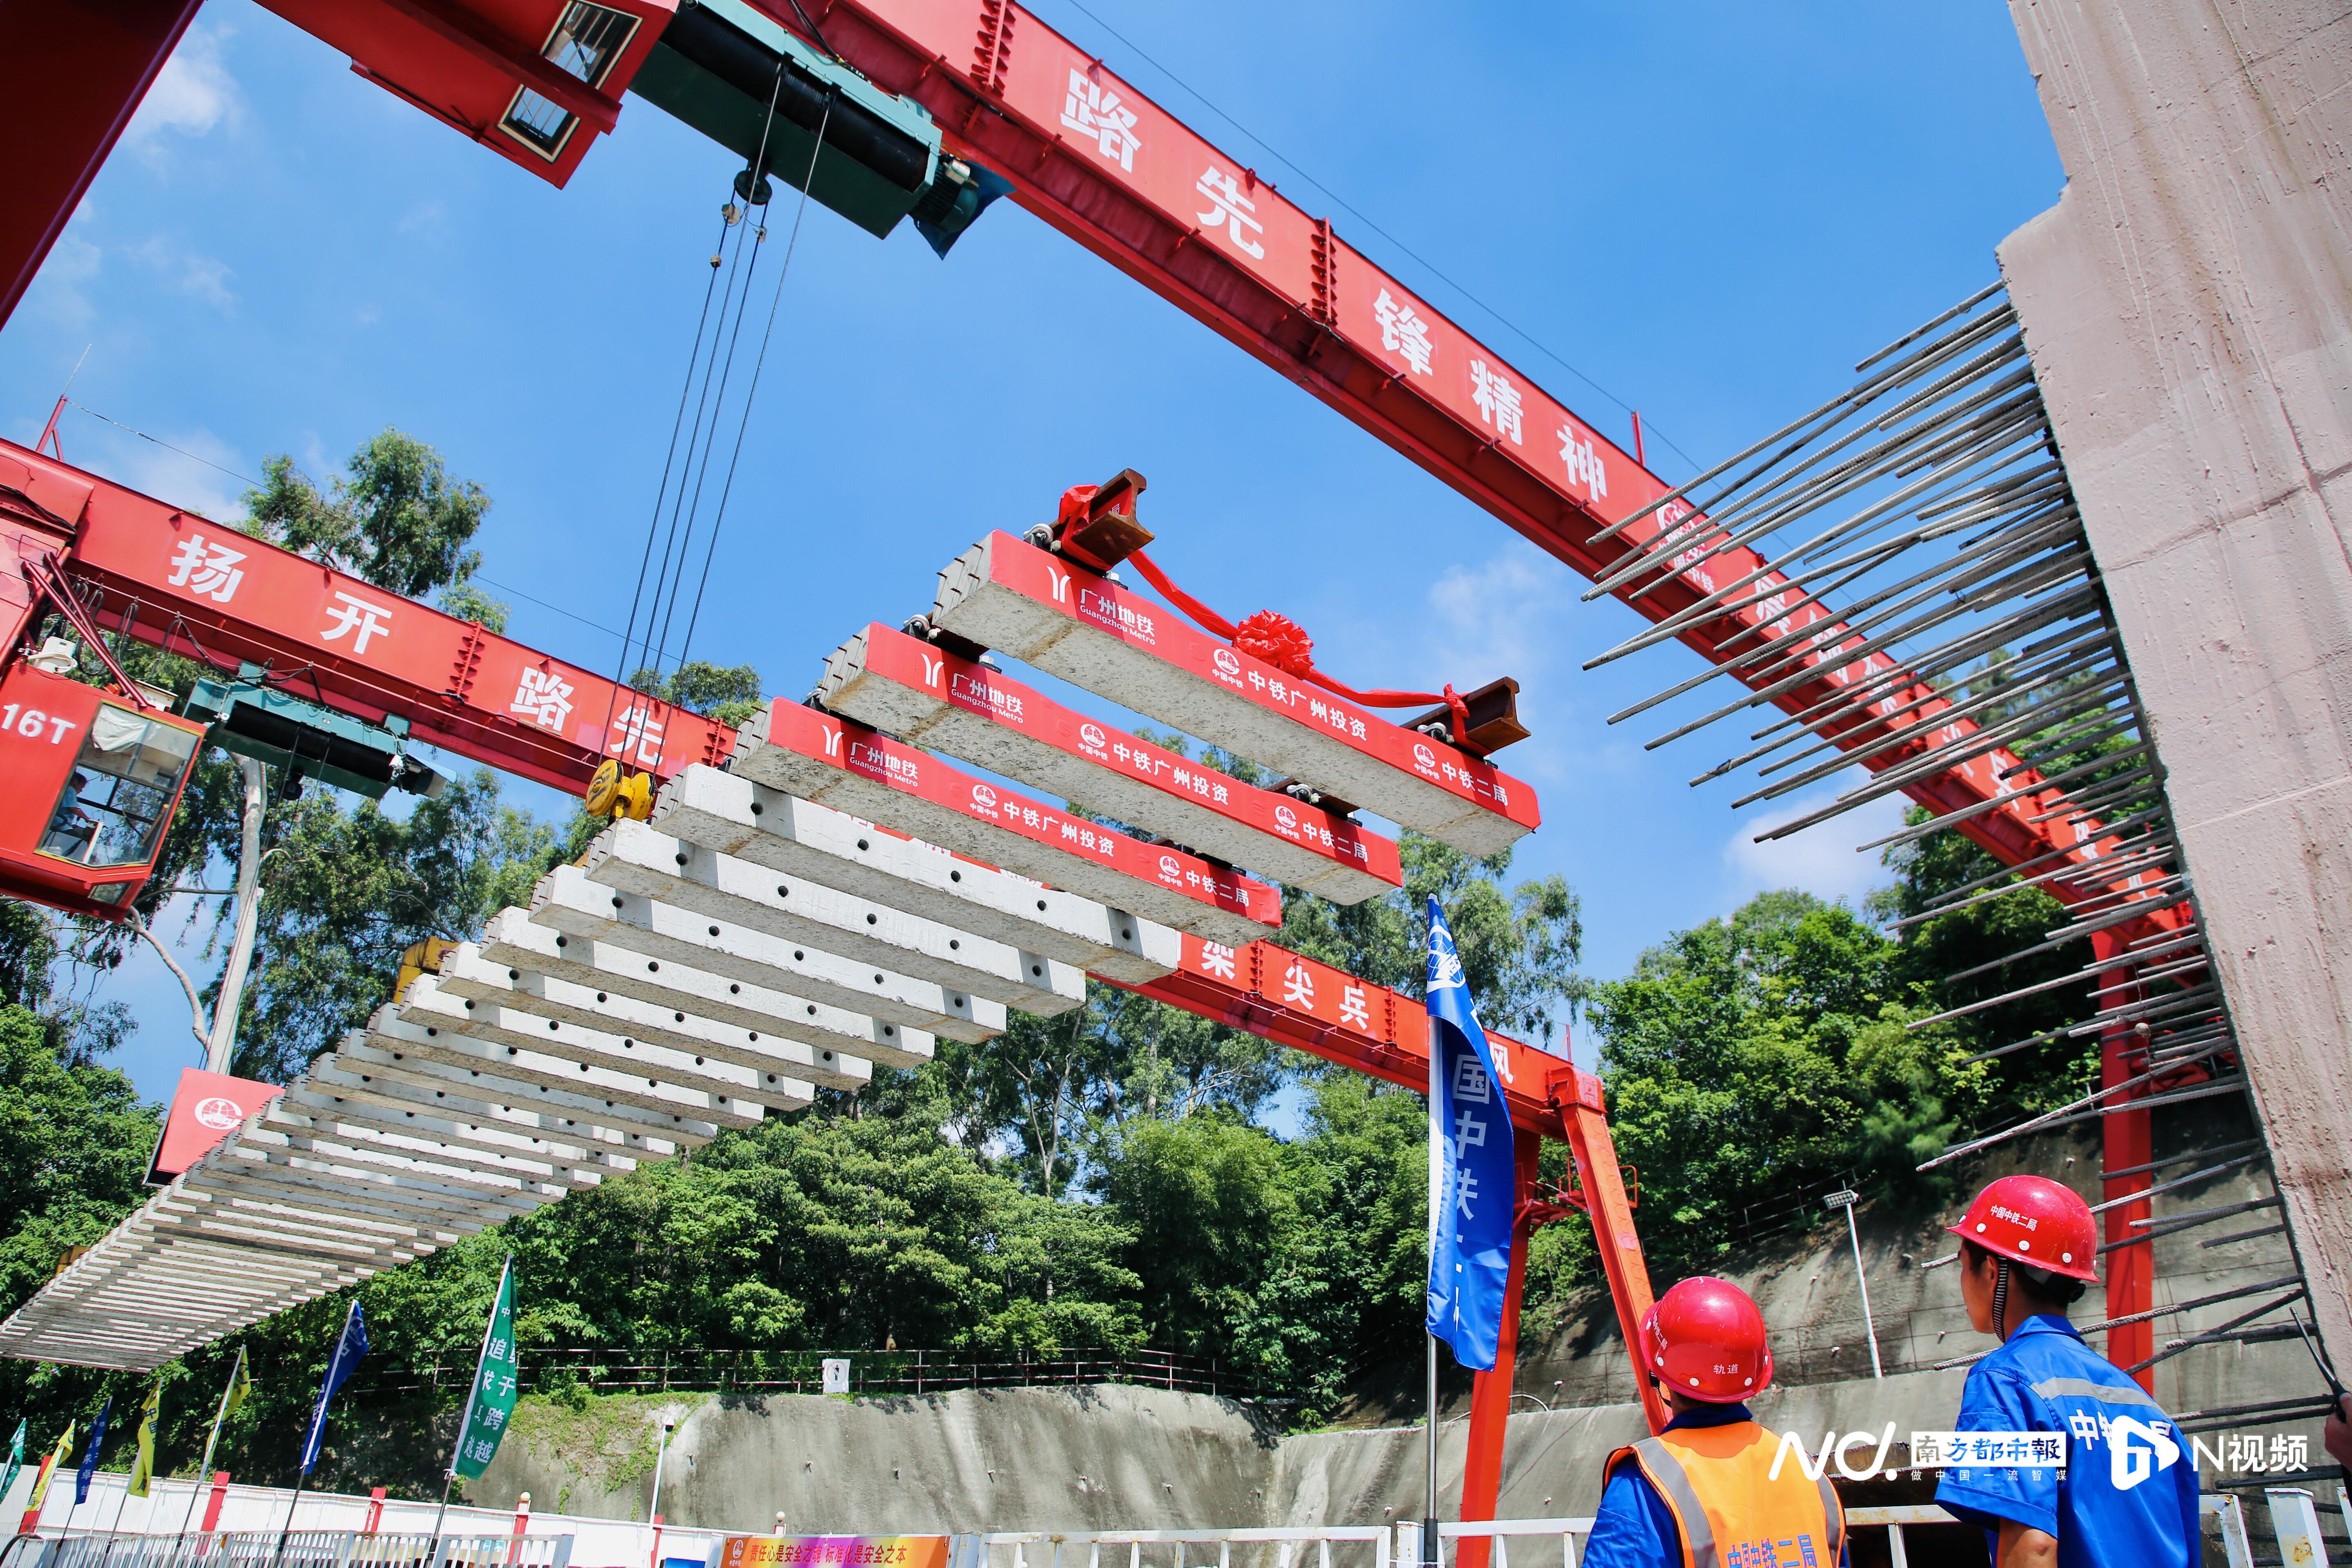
2128,1495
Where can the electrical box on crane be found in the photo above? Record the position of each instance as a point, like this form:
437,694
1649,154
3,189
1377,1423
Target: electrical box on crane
92,781
751,87
252,718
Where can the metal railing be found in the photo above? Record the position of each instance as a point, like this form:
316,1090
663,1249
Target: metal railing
290,1549
658,1370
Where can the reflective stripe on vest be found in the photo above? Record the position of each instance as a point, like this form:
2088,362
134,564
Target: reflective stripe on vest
1718,1482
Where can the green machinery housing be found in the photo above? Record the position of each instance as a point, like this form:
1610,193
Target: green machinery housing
254,719
748,84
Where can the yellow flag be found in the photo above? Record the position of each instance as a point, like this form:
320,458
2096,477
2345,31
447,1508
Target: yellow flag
240,1384
57,1458
144,1470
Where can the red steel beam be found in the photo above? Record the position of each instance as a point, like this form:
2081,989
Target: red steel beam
172,578
71,75
1098,160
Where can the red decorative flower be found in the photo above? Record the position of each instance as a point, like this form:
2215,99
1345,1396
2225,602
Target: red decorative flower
1277,639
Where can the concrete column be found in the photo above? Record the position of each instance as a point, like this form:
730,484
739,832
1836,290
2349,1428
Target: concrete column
2188,306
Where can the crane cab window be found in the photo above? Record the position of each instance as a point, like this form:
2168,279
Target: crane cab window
587,39
112,808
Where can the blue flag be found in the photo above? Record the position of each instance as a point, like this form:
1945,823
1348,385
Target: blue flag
89,1455
1474,1184
348,1350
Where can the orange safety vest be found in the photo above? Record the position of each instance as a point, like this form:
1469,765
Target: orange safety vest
1718,1482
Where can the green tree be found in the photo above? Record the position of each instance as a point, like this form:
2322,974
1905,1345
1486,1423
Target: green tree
728,693
349,890
1750,1058
396,516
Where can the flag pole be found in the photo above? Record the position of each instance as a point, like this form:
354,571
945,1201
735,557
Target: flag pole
1430,1554
327,1389
457,1445
219,1415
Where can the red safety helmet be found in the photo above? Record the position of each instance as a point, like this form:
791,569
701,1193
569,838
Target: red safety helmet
2035,1221
1704,1339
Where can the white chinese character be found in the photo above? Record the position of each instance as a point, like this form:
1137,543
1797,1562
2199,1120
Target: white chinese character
1584,465
636,727
1229,209
1298,986
1470,1081
1402,333
1217,958
1353,1008
356,614
1465,1187
1087,108
1469,1132
204,567
1497,399
545,696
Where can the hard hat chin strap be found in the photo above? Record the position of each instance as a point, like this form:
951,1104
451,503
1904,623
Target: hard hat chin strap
2000,1300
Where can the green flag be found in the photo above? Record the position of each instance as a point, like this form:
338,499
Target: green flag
15,1462
493,1399
143,1471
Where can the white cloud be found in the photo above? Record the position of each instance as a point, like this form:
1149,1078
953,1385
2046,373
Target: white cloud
192,95
1820,860
190,272
60,291
1487,613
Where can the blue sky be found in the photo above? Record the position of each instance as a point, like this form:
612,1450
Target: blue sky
1710,210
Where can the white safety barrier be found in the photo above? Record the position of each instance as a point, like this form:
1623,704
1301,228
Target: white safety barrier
1499,1530
1271,1548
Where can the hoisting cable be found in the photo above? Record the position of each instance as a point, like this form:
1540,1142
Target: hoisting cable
729,216
645,563
791,244
674,546
755,190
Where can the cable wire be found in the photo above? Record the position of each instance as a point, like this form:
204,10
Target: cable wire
1648,427
783,271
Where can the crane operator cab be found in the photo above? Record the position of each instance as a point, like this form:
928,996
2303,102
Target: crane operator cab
91,782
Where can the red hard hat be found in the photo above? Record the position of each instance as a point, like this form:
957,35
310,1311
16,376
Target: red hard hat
2033,1220
1704,1339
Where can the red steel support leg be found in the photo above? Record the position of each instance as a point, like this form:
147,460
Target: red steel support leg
2129,1271
1619,1245
1490,1392
71,72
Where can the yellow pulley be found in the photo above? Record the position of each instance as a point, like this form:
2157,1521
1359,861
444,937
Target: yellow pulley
615,793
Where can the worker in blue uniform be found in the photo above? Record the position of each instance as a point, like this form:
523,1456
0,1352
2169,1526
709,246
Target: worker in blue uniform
2127,1495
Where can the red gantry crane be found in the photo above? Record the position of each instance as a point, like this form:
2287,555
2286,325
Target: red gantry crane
927,109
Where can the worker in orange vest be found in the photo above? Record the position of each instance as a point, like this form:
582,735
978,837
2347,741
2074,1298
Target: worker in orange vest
2125,1493
1702,1494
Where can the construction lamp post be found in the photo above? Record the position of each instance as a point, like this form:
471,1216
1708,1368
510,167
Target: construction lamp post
1846,1199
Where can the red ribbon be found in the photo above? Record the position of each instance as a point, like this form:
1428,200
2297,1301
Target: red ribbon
1281,642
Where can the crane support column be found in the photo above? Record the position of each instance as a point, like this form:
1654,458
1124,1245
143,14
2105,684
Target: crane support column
71,75
2127,1143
